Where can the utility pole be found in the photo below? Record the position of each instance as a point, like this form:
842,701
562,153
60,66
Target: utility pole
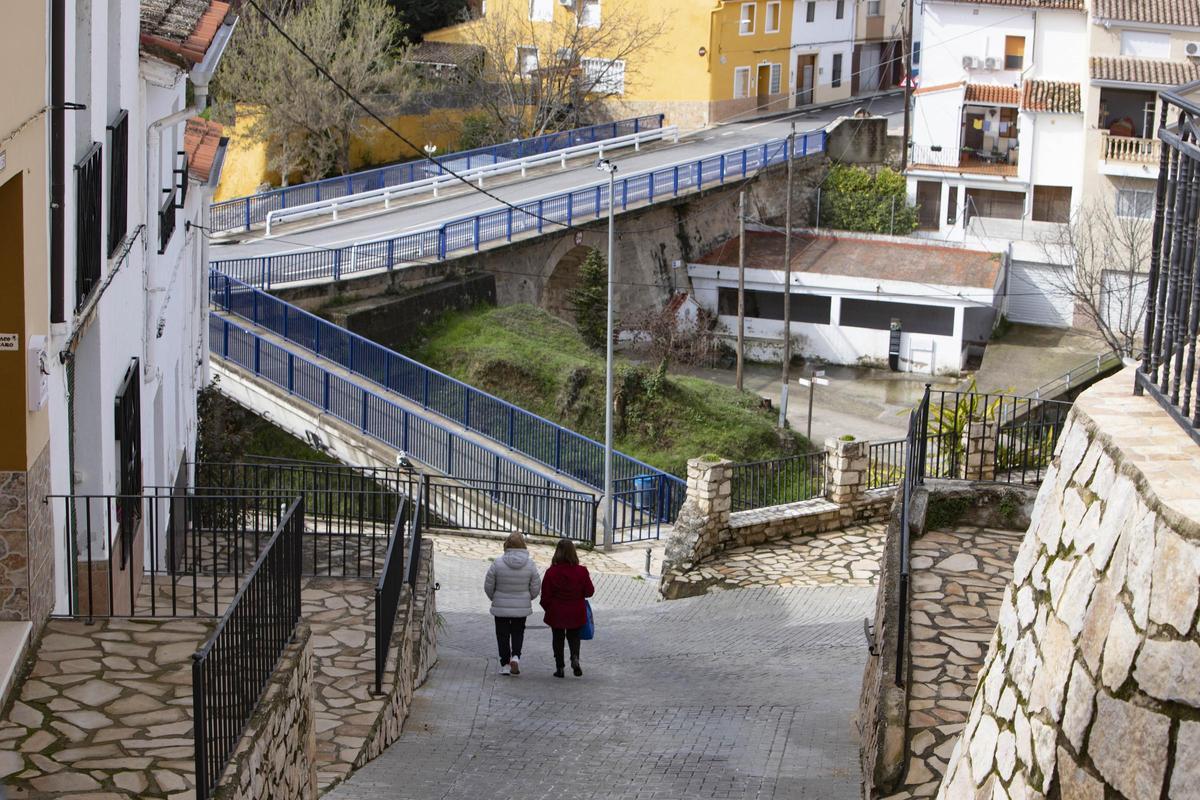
741,333
787,283
607,520
908,82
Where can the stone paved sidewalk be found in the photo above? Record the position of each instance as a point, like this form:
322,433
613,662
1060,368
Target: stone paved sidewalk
741,694
848,557
484,549
958,581
107,712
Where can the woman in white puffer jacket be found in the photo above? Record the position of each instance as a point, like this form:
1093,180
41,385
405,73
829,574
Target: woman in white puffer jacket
511,584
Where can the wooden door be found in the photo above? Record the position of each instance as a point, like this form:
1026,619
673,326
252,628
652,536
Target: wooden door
806,69
764,85
929,202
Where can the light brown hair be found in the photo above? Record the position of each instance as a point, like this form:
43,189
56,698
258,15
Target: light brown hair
515,541
565,553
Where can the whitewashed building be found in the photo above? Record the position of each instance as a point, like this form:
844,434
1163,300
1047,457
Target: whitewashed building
822,50
1032,115
860,300
104,190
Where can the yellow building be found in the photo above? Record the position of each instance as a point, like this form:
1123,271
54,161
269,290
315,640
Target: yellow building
712,60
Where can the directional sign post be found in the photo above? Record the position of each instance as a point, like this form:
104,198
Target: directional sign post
817,379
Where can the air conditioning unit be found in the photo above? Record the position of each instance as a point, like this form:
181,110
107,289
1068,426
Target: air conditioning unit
968,62
1192,49
991,63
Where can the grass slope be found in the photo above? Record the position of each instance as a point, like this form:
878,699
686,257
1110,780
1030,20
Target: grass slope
540,363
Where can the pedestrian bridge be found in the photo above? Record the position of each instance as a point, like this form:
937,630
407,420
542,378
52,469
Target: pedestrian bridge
369,404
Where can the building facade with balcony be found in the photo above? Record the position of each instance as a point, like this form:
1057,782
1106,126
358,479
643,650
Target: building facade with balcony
1034,130
107,178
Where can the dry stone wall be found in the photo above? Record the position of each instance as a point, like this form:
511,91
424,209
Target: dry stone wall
1091,687
26,544
276,759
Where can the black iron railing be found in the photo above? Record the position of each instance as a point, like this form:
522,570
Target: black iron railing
231,670
89,200
181,179
118,181
1168,371
779,481
991,437
391,583
885,463
914,476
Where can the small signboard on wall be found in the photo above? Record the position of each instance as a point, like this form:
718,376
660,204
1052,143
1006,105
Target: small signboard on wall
10,342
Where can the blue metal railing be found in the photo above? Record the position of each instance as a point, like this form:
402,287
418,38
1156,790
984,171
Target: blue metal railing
565,451
242,212
374,415
502,224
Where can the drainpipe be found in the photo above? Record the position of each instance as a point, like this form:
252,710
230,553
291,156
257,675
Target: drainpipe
57,179
199,76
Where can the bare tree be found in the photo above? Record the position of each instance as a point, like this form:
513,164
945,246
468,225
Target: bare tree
306,122
1107,257
541,75
666,337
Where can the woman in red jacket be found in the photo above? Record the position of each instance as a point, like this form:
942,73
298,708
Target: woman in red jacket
564,587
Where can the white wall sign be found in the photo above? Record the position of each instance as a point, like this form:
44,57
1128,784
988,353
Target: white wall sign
3,159
10,341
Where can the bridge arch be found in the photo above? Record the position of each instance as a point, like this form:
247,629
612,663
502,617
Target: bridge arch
561,273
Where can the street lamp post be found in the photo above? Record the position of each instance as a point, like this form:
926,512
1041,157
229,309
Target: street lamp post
606,520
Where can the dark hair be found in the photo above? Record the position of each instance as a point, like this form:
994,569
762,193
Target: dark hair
565,553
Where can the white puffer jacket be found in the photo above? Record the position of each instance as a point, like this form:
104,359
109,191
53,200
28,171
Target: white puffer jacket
512,583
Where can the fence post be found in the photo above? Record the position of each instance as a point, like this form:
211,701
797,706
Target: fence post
610,200
979,447
847,464
404,430
804,145
247,204
570,207
254,308
450,454
391,253
475,233
558,449
467,410
225,337
745,160
337,264
364,410
291,373
442,243
508,224
325,404
199,712
511,426
257,342
426,403
650,186
541,219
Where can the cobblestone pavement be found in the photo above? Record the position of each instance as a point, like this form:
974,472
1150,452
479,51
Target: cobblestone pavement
484,549
847,557
958,581
86,724
738,694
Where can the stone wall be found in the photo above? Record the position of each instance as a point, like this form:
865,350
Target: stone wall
276,759
393,320
1091,687
706,524
26,544
413,653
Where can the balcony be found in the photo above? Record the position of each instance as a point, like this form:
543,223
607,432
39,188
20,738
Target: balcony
1129,156
964,161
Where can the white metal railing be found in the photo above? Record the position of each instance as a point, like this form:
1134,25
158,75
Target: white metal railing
1077,375
385,195
1131,149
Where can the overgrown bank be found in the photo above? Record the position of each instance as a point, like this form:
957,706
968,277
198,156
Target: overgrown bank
532,359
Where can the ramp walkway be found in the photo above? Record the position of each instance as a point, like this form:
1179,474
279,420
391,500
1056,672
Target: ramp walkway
445,424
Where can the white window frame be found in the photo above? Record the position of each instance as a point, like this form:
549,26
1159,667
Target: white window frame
775,79
607,76
545,6
746,22
1131,202
523,51
777,7
840,10
810,5
589,14
745,84
877,5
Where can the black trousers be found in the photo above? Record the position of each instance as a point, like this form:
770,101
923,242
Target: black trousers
572,637
510,635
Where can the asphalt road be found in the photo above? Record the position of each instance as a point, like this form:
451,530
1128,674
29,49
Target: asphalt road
433,212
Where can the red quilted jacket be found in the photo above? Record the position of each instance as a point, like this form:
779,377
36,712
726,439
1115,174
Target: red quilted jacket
564,586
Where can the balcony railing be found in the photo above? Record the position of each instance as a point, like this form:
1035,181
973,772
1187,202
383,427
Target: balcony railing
1129,149
118,200
1170,343
88,204
949,159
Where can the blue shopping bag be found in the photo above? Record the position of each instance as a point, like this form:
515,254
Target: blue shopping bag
589,628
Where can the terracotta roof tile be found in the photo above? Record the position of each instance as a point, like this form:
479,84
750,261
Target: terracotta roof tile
1068,5
202,140
1124,69
863,258
1057,97
181,30
992,94
1158,12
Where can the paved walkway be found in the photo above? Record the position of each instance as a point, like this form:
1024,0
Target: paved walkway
958,581
748,693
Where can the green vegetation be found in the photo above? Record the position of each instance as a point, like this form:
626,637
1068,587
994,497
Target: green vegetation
542,364
479,130
945,512
855,199
228,433
590,300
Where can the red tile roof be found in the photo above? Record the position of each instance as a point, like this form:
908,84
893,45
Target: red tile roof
1152,71
1069,5
863,258
181,31
1056,97
992,94
1158,12
202,141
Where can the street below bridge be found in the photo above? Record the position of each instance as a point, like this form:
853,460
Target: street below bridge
745,693
432,212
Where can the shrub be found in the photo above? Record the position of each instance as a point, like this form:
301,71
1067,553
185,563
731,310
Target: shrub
854,199
479,130
590,300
